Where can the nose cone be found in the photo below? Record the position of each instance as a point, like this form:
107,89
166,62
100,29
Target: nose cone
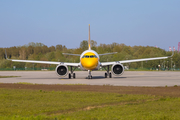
89,64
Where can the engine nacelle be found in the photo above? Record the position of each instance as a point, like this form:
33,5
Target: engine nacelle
62,70
117,69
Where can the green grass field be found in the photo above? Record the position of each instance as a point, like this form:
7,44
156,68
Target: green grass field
66,105
8,76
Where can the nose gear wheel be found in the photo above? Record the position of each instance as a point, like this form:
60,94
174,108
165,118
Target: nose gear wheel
89,76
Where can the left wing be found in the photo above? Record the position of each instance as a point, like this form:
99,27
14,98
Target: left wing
44,62
135,60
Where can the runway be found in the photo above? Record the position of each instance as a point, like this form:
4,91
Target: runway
129,78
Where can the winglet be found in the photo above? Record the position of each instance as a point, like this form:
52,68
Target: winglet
172,53
89,40
6,55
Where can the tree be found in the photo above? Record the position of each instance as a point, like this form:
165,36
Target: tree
15,51
50,56
59,56
52,49
1,53
93,43
39,44
59,47
84,45
37,50
44,49
22,53
64,48
32,44
30,50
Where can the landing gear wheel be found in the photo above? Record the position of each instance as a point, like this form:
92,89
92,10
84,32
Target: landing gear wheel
110,76
105,75
69,76
74,75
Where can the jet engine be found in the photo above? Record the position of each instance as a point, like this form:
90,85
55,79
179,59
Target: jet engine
117,69
62,70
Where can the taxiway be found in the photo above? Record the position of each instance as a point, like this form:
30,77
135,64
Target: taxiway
129,78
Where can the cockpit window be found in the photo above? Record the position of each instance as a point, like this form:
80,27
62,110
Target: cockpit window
89,56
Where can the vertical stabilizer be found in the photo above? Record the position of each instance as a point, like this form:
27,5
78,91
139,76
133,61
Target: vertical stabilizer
89,40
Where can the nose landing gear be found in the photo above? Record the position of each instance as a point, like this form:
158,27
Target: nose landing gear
89,76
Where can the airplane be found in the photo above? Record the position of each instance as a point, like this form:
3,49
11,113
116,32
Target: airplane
89,61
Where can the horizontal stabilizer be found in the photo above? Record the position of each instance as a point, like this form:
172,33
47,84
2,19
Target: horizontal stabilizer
71,54
107,53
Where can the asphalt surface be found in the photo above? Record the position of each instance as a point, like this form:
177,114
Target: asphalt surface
129,78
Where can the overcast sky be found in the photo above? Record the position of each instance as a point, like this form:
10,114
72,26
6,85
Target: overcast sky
52,22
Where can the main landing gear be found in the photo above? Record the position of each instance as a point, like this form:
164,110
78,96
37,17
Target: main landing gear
107,73
72,74
89,76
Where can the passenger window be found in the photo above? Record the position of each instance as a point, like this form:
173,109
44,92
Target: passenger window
95,56
83,57
87,56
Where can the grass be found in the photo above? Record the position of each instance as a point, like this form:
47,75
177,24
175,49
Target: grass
8,76
25,83
76,84
26,104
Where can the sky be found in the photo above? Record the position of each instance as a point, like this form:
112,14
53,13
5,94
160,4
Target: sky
65,22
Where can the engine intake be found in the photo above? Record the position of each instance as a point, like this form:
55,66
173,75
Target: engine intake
62,70
117,69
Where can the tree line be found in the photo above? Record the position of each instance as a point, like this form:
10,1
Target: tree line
39,51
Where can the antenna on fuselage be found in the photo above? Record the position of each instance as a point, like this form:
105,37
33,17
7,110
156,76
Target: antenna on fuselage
89,40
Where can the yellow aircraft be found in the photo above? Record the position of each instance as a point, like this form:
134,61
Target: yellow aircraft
89,60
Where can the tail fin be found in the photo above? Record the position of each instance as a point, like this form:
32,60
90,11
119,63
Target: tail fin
89,41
